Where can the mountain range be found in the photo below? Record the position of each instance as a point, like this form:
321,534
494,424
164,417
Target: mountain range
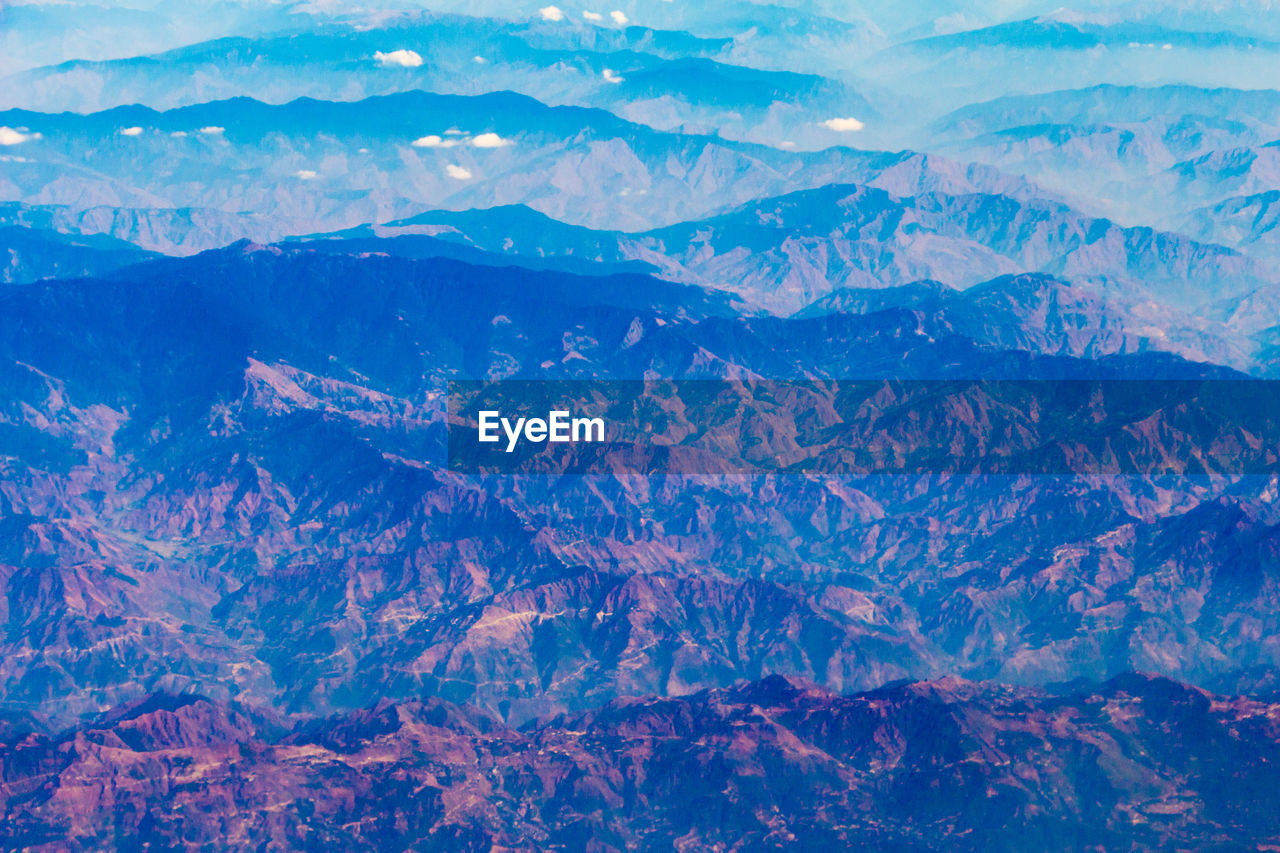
192,441
935,343
1134,762
312,165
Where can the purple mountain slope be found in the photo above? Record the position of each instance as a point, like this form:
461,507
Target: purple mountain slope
1136,762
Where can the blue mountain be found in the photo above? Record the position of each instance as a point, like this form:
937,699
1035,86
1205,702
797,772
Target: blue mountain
312,165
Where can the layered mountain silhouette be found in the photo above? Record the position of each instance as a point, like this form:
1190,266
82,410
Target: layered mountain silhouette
934,342
661,78
1124,146
194,441
786,250
781,253
390,156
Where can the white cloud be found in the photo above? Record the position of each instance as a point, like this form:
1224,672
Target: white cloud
454,137
307,174
398,58
434,141
618,18
593,16
843,125
551,13
9,136
212,130
479,60
611,76
490,140
457,172
130,131
178,134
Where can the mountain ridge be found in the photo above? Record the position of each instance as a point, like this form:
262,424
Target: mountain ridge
791,765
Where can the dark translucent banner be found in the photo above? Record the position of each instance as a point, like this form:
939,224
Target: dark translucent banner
1088,427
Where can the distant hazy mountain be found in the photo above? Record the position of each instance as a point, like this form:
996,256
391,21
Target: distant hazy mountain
661,78
1252,111
1062,32
173,230
1068,49
1029,312
1137,153
816,37
787,251
1245,221
312,165
1042,314
34,33
655,77
1227,173
806,242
